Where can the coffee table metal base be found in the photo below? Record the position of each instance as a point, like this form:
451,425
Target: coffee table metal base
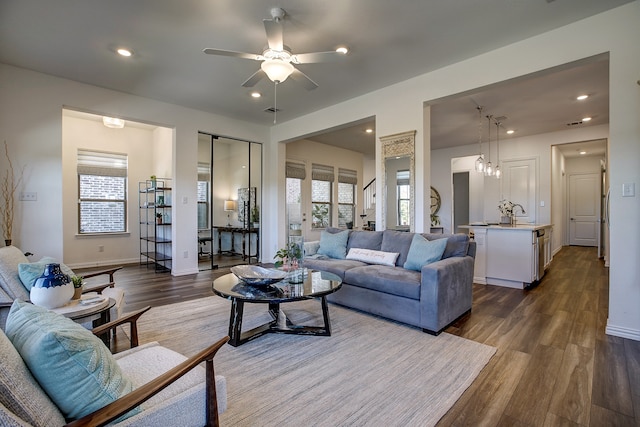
279,325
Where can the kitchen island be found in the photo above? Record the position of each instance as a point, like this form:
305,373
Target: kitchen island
514,256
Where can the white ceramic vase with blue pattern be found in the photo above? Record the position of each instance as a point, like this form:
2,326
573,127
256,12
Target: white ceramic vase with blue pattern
53,289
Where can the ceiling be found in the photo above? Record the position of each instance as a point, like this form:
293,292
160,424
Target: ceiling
77,39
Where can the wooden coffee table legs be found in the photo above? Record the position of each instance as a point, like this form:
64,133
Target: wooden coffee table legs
279,325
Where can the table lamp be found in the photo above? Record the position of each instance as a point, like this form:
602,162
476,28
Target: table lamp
229,206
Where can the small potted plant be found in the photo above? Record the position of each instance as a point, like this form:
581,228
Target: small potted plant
255,216
159,218
289,257
77,286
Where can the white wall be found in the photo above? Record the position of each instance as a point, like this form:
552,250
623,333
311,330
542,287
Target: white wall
31,107
398,108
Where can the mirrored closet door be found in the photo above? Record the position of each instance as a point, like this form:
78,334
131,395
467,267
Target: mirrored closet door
231,233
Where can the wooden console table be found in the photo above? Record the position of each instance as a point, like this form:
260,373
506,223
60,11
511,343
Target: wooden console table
244,232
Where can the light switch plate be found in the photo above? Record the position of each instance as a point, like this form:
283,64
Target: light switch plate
629,189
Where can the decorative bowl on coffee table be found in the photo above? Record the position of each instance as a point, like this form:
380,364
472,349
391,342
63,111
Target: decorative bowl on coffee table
258,276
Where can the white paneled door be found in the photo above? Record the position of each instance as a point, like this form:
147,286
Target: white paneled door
584,209
519,186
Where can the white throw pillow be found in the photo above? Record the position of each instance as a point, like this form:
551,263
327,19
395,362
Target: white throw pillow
373,257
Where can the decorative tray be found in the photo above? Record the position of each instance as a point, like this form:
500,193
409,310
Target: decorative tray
255,275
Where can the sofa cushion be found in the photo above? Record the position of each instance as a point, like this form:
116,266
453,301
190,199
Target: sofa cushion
72,365
333,245
10,258
31,271
20,392
397,241
335,266
390,280
457,244
423,251
373,257
365,240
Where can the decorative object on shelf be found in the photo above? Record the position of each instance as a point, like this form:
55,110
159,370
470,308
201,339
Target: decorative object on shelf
53,289
159,218
256,275
246,202
77,286
8,189
479,164
229,206
160,201
153,182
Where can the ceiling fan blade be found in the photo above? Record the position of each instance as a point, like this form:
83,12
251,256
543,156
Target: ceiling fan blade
274,34
301,77
255,78
306,58
222,52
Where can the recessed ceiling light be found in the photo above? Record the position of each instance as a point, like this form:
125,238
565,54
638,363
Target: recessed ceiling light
582,97
343,50
511,131
586,119
582,152
369,130
124,52
256,94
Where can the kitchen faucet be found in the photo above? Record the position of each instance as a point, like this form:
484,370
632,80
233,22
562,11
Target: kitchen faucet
513,212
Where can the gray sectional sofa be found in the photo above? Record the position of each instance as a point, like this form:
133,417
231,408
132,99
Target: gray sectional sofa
431,298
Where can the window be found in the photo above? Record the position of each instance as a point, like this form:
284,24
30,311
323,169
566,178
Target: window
102,189
347,180
204,177
404,193
321,182
295,173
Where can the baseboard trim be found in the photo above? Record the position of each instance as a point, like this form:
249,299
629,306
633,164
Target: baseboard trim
619,331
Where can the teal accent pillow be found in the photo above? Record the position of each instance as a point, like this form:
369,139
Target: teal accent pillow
423,252
334,245
29,272
71,365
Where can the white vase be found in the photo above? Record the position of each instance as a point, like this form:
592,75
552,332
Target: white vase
53,289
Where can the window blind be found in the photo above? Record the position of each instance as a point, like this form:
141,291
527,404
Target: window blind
402,177
347,176
204,173
101,163
322,172
295,170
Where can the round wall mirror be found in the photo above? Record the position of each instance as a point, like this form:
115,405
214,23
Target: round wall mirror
435,201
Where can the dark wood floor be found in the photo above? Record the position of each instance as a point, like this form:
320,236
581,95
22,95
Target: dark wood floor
554,363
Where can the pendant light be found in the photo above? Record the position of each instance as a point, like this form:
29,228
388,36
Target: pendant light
480,160
488,168
498,171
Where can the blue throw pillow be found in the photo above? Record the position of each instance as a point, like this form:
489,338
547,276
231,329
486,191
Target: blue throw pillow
423,251
71,365
29,272
334,245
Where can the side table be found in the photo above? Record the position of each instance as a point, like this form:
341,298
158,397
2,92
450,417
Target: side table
97,313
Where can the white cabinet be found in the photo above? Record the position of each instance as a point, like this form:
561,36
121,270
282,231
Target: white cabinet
508,256
511,257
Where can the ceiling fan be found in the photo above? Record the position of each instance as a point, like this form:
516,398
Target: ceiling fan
277,59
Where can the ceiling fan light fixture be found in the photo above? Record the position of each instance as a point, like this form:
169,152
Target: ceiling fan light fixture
112,122
276,69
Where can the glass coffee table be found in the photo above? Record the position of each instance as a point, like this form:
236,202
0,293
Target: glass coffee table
316,284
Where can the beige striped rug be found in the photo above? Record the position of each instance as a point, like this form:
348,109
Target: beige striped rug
370,372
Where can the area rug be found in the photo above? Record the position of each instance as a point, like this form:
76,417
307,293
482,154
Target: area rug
371,371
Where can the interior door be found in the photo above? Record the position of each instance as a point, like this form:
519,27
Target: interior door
584,209
519,186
